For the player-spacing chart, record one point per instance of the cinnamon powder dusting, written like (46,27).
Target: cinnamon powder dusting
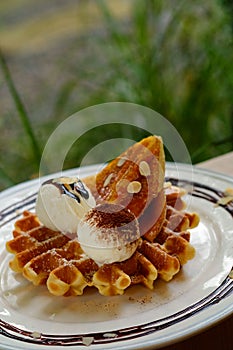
(114,218)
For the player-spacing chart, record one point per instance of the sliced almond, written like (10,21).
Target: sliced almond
(121,161)
(225,200)
(107,180)
(144,168)
(167,184)
(36,335)
(134,187)
(87,340)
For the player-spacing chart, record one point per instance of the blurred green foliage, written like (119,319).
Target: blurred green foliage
(176,57)
(172,56)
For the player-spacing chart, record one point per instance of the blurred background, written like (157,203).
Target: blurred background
(60,56)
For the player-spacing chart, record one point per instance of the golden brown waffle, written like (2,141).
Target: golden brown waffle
(47,257)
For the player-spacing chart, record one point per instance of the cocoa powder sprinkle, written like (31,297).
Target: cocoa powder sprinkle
(113,220)
(110,216)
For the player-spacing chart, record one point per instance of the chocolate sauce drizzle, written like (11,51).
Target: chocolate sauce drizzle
(15,210)
(202,191)
(223,291)
(77,188)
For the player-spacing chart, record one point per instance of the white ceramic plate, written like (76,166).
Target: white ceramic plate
(198,297)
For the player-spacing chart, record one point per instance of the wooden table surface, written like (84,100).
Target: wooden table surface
(219,337)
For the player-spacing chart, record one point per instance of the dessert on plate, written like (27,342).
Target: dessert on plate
(120,227)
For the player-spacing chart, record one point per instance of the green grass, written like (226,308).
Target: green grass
(21,110)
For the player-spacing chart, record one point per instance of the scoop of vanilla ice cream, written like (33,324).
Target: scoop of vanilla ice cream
(61,203)
(109,233)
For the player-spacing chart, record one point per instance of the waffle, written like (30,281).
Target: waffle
(134,180)
(47,257)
